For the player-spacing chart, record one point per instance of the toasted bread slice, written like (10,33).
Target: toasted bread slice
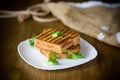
(74,49)
(58,44)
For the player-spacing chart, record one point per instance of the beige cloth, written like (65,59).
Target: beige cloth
(89,20)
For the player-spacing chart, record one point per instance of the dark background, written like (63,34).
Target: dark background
(16,4)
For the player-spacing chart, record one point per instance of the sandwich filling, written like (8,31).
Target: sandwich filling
(57,43)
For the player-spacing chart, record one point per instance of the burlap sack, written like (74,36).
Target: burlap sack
(90,20)
(99,22)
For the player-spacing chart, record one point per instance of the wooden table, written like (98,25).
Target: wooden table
(106,66)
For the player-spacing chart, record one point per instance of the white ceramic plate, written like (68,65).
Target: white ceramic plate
(33,56)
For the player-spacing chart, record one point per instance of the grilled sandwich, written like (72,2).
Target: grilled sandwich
(60,44)
(74,49)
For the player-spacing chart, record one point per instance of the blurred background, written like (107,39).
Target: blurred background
(16,4)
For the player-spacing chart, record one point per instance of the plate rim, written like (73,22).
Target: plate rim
(45,68)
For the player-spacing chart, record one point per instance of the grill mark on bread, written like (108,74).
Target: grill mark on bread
(64,37)
(58,38)
(48,33)
(52,38)
(74,35)
(67,35)
(57,44)
(44,32)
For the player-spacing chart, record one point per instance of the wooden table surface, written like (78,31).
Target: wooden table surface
(106,66)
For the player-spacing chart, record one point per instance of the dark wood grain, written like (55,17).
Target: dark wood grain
(106,66)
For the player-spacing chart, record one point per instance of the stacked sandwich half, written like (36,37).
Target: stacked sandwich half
(59,41)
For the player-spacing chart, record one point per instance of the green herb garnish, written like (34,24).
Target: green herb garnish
(72,55)
(56,34)
(31,41)
(52,58)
